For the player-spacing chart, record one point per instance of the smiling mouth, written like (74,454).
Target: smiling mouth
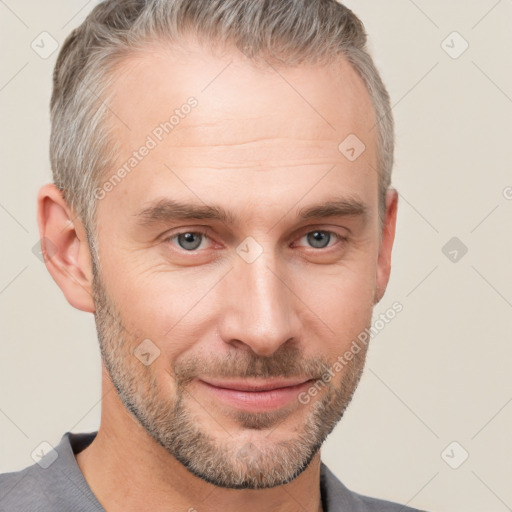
(256,394)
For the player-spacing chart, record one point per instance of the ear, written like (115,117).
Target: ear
(386,244)
(65,248)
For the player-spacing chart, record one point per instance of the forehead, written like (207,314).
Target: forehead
(251,124)
(325,100)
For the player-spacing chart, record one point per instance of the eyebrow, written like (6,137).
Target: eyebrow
(170,209)
(166,210)
(337,207)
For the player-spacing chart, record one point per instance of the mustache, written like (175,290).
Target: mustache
(287,362)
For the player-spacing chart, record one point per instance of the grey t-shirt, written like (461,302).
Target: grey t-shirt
(56,484)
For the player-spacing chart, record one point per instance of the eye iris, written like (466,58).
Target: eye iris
(319,239)
(189,241)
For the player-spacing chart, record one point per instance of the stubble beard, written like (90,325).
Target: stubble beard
(222,462)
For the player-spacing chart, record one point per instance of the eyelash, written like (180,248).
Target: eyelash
(198,231)
(195,232)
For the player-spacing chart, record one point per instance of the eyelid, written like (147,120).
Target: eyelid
(196,230)
(340,238)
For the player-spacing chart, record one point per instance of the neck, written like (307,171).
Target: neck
(128,470)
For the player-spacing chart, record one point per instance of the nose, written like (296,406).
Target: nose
(261,311)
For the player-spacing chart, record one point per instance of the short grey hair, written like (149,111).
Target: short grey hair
(285,32)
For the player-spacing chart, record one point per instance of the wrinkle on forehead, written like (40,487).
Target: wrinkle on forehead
(256,135)
(243,104)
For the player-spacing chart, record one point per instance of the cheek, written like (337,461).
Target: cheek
(339,302)
(169,308)
(176,308)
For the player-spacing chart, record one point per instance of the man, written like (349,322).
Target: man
(222,204)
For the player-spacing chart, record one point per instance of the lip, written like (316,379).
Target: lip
(256,394)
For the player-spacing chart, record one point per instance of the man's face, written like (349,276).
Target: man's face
(264,293)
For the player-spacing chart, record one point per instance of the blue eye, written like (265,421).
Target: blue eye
(194,240)
(319,239)
(189,240)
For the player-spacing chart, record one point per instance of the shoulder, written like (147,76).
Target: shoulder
(370,504)
(337,497)
(53,484)
(23,490)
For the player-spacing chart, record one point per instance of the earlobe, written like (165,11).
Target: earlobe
(386,244)
(65,248)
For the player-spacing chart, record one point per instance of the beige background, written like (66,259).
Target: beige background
(438,373)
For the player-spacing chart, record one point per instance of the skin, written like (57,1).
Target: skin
(255,147)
